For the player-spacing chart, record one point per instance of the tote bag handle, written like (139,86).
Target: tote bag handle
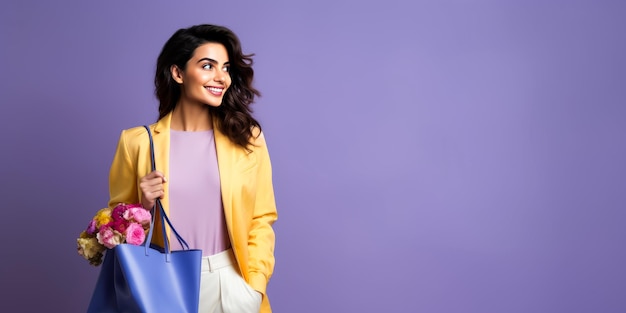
(164,217)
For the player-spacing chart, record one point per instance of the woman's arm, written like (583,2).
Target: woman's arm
(122,176)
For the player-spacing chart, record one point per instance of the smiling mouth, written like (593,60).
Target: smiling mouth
(215,90)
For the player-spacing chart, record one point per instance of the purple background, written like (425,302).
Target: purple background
(429,156)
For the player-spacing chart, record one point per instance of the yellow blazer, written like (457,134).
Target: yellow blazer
(246,186)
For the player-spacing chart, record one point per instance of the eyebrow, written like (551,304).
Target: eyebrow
(212,61)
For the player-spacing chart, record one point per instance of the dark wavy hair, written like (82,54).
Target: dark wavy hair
(234,114)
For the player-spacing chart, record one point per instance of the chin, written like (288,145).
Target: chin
(213,104)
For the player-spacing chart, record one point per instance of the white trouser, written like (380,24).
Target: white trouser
(223,289)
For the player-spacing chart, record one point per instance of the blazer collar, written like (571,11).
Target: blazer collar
(163,124)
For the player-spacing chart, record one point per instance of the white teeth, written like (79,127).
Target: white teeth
(214,89)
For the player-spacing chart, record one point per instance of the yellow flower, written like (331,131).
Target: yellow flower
(103,217)
(89,247)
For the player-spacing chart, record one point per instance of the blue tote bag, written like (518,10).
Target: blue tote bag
(146,279)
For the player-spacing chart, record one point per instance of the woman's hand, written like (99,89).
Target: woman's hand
(151,187)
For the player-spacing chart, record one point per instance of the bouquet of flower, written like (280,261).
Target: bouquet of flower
(125,223)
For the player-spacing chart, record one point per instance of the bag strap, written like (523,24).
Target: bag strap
(164,217)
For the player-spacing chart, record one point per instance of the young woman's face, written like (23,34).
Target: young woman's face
(206,76)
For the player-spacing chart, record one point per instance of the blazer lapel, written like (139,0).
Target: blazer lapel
(226,156)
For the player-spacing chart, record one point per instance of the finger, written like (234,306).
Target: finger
(153,192)
(153,182)
(152,195)
(158,194)
(159,174)
(153,175)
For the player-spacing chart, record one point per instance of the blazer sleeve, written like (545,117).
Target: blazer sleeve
(122,176)
(261,238)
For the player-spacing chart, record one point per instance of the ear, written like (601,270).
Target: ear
(177,74)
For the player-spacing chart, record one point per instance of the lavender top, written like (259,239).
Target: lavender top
(196,208)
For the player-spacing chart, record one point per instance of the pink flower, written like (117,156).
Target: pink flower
(140,215)
(135,234)
(109,237)
(119,225)
(127,215)
(118,212)
(134,205)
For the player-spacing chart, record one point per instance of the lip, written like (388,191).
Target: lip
(216,91)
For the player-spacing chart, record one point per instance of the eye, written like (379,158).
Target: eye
(207,66)
(226,69)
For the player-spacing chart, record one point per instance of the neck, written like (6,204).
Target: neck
(191,118)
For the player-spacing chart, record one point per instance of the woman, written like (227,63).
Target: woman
(213,169)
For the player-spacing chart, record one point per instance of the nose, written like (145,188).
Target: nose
(220,77)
